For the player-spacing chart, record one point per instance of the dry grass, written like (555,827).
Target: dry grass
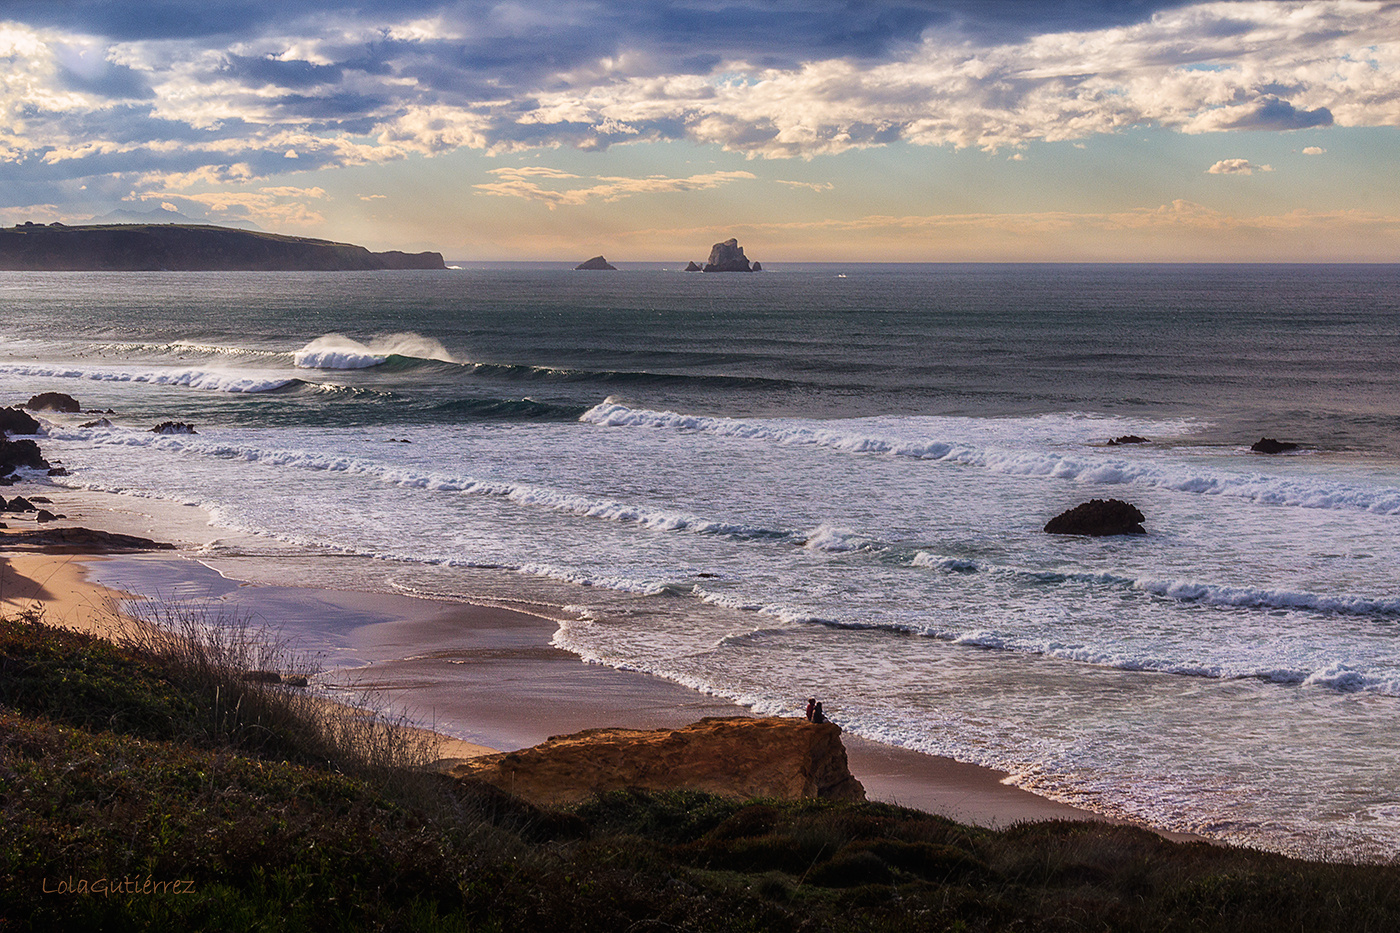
(260,696)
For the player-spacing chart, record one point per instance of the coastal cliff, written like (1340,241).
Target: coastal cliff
(733,757)
(187,248)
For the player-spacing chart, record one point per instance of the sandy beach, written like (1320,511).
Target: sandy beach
(482,677)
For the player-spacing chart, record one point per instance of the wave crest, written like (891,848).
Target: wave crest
(337,351)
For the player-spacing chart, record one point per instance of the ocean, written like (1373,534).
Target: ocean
(831,481)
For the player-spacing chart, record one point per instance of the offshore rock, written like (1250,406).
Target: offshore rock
(53,401)
(692,267)
(733,757)
(1097,518)
(173,427)
(727,257)
(1128,439)
(596,263)
(1268,445)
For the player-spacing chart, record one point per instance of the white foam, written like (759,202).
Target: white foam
(1052,446)
(207,379)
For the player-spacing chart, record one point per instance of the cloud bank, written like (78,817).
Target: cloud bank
(126,99)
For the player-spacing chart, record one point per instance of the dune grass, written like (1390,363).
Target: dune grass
(197,797)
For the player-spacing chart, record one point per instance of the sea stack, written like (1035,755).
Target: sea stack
(597,263)
(727,257)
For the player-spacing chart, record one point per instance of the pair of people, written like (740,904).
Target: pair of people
(814,711)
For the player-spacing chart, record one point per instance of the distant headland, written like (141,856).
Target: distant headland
(186,248)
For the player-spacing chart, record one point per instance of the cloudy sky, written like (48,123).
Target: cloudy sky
(912,130)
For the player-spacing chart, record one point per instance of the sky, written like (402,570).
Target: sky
(647,130)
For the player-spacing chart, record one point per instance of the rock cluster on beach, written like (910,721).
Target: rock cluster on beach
(1098,518)
(734,757)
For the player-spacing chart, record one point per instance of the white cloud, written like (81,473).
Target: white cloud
(517,183)
(813,186)
(1313,150)
(1237,167)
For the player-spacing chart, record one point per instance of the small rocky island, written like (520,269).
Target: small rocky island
(726,257)
(187,248)
(597,263)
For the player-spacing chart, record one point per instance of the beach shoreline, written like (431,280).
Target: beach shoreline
(483,677)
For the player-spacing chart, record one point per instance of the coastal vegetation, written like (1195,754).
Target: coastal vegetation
(155,784)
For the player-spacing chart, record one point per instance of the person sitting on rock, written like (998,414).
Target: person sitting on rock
(811,707)
(817,714)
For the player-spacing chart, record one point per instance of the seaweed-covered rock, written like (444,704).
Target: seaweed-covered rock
(53,401)
(1098,518)
(1268,445)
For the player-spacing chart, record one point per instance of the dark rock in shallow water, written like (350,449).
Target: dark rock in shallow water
(173,427)
(53,401)
(1098,517)
(20,504)
(1267,445)
(1127,439)
(21,453)
(758,267)
(17,421)
(727,257)
(692,267)
(597,263)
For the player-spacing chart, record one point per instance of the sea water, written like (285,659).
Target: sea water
(830,481)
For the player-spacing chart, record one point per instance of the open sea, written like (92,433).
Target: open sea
(829,481)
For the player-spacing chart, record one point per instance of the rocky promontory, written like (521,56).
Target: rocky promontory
(733,757)
(187,248)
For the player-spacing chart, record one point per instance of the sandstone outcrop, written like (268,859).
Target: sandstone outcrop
(728,257)
(1097,518)
(734,757)
(1269,445)
(597,263)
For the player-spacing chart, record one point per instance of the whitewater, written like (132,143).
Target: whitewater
(830,481)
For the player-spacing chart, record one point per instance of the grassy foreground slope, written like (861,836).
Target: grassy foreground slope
(197,798)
